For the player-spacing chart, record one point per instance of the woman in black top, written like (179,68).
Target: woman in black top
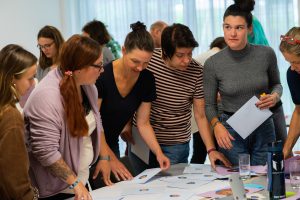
(125,88)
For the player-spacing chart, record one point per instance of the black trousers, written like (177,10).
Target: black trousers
(199,149)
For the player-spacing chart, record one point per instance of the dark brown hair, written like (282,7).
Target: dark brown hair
(241,8)
(53,34)
(177,35)
(77,53)
(139,38)
(97,31)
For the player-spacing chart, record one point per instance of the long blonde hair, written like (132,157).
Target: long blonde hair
(14,62)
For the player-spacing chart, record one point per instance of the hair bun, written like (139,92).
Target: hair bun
(138,26)
(246,5)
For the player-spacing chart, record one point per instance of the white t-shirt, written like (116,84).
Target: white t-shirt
(86,153)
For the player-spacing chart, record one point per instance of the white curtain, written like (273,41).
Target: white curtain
(204,17)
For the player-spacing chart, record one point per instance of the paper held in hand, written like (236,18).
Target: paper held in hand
(248,118)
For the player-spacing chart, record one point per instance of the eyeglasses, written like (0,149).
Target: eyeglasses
(45,46)
(99,66)
(289,40)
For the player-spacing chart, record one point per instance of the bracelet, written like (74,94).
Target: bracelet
(35,193)
(210,150)
(72,186)
(104,158)
(215,124)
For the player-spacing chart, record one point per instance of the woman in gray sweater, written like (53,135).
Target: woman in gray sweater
(239,72)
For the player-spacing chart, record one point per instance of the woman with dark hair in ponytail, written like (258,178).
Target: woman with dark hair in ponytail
(63,124)
(239,72)
(127,87)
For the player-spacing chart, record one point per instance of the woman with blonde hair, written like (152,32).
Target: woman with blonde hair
(290,49)
(17,70)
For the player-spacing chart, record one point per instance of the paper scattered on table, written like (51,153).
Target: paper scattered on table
(197,169)
(255,170)
(146,175)
(187,184)
(248,118)
(226,191)
(142,190)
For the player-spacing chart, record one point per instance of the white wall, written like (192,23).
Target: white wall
(20,21)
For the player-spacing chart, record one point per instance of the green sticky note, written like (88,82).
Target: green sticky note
(289,194)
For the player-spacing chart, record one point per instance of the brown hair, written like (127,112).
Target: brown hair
(97,31)
(139,38)
(14,62)
(77,53)
(52,33)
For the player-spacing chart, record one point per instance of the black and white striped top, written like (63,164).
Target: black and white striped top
(175,89)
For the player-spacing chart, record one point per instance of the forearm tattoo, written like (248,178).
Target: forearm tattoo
(61,170)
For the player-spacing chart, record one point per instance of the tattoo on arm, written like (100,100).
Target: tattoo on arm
(61,170)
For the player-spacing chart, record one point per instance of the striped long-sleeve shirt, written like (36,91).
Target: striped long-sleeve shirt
(175,89)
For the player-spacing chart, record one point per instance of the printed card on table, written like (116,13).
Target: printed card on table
(197,169)
(249,189)
(255,170)
(145,175)
(143,190)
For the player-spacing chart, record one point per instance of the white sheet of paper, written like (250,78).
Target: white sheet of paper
(140,148)
(176,194)
(187,184)
(146,175)
(248,118)
(197,169)
(201,177)
(143,190)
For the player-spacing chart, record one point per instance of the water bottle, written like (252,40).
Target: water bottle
(276,182)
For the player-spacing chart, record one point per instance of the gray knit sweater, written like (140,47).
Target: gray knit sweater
(239,75)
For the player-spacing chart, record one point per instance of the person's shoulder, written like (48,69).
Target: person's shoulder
(156,54)
(262,48)
(107,73)
(108,67)
(11,115)
(147,74)
(293,75)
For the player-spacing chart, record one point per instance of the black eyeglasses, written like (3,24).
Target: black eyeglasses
(46,46)
(99,66)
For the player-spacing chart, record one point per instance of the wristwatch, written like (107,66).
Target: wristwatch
(104,158)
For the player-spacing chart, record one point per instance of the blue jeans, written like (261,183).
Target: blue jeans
(256,144)
(178,153)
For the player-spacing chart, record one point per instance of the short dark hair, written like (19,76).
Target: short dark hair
(218,42)
(139,38)
(177,35)
(241,8)
(97,31)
